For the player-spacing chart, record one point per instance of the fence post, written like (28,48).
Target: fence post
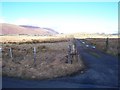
(73,49)
(107,44)
(10,52)
(77,53)
(34,52)
(69,55)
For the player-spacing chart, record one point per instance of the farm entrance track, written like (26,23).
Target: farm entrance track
(101,71)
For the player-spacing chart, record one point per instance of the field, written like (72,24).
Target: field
(32,39)
(99,41)
(45,57)
(49,60)
(111,46)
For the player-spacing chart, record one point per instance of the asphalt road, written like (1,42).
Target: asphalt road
(101,72)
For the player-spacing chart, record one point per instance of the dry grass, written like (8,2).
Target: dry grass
(86,35)
(100,44)
(33,39)
(50,61)
(99,40)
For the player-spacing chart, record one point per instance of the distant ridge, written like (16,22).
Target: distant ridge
(49,29)
(8,29)
(35,27)
(28,26)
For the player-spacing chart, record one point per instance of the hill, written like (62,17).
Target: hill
(11,29)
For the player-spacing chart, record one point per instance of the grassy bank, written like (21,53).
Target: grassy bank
(50,60)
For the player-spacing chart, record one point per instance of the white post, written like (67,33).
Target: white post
(73,49)
(10,50)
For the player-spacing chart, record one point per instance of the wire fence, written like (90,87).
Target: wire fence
(35,53)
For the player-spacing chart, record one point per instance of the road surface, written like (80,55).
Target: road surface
(101,72)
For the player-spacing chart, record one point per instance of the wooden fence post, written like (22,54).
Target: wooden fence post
(10,52)
(107,43)
(0,52)
(77,53)
(34,52)
(69,55)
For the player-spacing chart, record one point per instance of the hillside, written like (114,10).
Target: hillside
(8,29)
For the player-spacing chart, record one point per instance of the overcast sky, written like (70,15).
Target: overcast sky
(64,17)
